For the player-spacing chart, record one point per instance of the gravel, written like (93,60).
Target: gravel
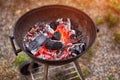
(106,60)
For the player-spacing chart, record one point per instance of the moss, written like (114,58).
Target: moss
(110,77)
(99,21)
(20,59)
(85,72)
(112,20)
(117,38)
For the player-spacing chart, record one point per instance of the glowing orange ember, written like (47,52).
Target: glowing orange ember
(65,35)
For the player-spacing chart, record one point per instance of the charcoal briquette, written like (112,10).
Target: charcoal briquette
(56,36)
(54,45)
(54,24)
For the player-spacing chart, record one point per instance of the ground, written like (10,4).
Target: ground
(101,62)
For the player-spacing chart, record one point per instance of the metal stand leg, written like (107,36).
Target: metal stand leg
(46,72)
(30,66)
(79,69)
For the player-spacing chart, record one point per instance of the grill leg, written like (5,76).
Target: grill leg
(79,69)
(30,66)
(46,72)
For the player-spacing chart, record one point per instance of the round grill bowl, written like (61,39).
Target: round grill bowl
(79,19)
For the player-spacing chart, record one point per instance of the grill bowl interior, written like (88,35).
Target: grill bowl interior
(80,21)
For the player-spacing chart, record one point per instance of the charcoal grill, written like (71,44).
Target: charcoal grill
(80,21)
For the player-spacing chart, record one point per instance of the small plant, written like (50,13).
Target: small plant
(117,38)
(112,20)
(85,72)
(110,77)
(100,21)
(60,78)
(21,58)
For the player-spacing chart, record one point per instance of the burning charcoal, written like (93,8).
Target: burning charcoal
(37,43)
(56,36)
(49,57)
(56,40)
(53,45)
(73,32)
(63,56)
(68,24)
(41,56)
(38,29)
(73,54)
(64,48)
(77,48)
(38,24)
(54,24)
(73,36)
(30,34)
(49,29)
(33,30)
(60,20)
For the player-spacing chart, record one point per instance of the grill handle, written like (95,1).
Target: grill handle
(16,51)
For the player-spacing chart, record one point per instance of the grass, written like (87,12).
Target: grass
(85,72)
(117,38)
(20,59)
(110,77)
(100,20)
(112,20)
(60,76)
(13,10)
(1,55)
(89,55)
(7,72)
